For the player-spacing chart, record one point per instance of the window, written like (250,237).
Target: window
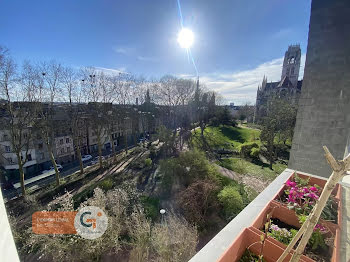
(7,149)
(29,157)
(292,71)
(62,150)
(68,149)
(42,156)
(40,146)
(5,137)
(9,160)
(61,141)
(67,140)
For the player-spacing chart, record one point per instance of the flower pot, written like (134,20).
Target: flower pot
(285,215)
(336,193)
(250,238)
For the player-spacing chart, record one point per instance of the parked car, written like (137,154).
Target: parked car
(59,167)
(86,158)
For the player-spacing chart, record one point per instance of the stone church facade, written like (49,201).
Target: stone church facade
(289,88)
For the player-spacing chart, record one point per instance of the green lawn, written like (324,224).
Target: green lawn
(227,137)
(242,166)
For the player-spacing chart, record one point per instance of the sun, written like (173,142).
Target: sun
(185,38)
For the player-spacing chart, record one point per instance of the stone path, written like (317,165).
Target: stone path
(249,180)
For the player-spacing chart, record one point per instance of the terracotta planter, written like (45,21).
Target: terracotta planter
(313,180)
(289,217)
(273,249)
(251,238)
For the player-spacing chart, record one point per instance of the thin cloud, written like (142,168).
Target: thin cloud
(147,59)
(123,50)
(240,87)
(111,70)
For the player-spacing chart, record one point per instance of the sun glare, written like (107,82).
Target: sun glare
(185,38)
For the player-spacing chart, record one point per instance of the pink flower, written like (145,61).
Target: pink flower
(320,227)
(313,189)
(274,227)
(305,190)
(291,183)
(313,196)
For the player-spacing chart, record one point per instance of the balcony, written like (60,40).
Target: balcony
(245,229)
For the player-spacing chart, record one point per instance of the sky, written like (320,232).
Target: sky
(236,42)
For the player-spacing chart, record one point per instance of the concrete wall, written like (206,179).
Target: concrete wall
(8,249)
(324,107)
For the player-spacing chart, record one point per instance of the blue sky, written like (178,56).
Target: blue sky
(236,42)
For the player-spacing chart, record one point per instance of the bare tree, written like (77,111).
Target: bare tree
(50,75)
(73,94)
(19,113)
(100,97)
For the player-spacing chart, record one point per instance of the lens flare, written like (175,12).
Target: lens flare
(185,38)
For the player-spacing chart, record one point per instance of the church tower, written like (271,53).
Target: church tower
(291,64)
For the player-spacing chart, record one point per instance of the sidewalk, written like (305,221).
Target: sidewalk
(34,179)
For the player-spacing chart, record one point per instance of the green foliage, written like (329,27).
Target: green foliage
(224,117)
(148,162)
(279,120)
(316,240)
(106,184)
(250,257)
(166,136)
(151,207)
(153,152)
(301,182)
(231,201)
(167,167)
(221,180)
(245,167)
(227,137)
(255,152)
(246,149)
(302,218)
(330,211)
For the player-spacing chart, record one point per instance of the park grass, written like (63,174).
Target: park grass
(227,137)
(242,166)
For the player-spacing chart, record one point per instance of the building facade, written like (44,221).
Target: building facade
(288,88)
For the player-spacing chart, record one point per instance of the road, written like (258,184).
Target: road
(66,171)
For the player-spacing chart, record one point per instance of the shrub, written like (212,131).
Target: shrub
(198,201)
(153,152)
(167,170)
(148,162)
(255,152)
(175,240)
(221,180)
(231,201)
(151,207)
(106,184)
(246,149)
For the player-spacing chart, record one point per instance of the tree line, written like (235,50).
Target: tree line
(33,94)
